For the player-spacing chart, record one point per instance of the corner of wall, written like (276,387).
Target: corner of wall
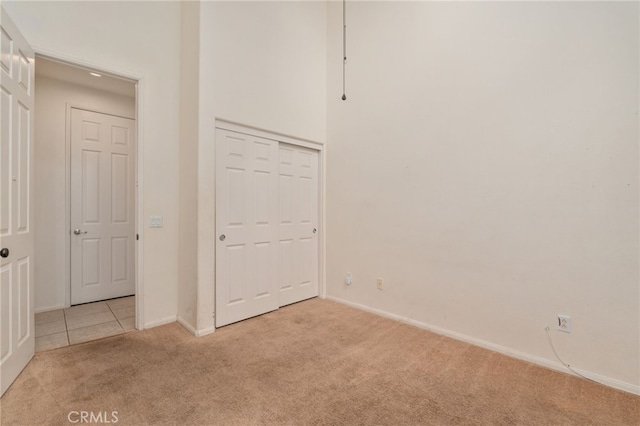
(188,153)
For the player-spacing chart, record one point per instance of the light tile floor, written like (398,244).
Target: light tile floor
(82,323)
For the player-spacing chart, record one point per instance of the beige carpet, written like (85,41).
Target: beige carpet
(313,363)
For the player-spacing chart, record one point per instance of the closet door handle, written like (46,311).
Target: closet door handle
(222,237)
(315,230)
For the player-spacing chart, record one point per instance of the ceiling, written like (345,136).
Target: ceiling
(78,75)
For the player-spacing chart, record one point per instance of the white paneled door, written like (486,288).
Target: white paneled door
(298,224)
(17,341)
(102,206)
(266,223)
(247,226)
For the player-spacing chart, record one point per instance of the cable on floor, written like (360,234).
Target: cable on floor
(564,363)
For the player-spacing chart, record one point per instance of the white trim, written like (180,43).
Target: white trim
(161,321)
(268,134)
(78,62)
(205,331)
(138,80)
(67,205)
(48,309)
(322,250)
(186,325)
(139,252)
(73,105)
(608,381)
(192,330)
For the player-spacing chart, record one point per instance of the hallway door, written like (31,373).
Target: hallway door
(102,206)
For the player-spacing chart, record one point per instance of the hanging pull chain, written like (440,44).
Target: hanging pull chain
(344,49)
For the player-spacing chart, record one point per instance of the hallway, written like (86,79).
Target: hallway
(83,323)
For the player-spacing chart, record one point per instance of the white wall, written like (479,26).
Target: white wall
(141,39)
(267,64)
(50,159)
(189,115)
(485,165)
(260,64)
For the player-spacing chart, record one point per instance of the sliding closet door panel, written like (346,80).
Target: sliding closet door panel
(298,223)
(246,226)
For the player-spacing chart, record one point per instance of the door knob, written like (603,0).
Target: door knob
(222,237)
(315,230)
(78,232)
(4,252)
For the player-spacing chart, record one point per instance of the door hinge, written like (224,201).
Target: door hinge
(137,237)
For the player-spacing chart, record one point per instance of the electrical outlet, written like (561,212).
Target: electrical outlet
(379,283)
(349,279)
(564,323)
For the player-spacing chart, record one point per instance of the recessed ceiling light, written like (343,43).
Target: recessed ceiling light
(95,74)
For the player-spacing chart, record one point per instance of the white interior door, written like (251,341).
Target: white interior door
(102,206)
(298,224)
(267,247)
(246,224)
(17,342)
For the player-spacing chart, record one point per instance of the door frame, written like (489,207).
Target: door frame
(138,173)
(291,140)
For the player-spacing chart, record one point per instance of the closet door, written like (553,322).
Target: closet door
(298,224)
(246,226)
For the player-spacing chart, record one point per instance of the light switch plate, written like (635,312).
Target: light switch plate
(155,221)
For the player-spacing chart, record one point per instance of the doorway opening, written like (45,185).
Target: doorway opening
(86,197)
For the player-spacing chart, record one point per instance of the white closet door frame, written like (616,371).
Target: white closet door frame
(291,140)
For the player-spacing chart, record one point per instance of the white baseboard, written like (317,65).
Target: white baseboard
(161,321)
(607,381)
(49,308)
(187,326)
(205,331)
(193,330)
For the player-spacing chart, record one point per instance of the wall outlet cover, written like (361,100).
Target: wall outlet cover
(564,323)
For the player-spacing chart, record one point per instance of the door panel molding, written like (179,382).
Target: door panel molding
(287,249)
(93,216)
(246,226)
(139,245)
(17,325)
(298,223)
